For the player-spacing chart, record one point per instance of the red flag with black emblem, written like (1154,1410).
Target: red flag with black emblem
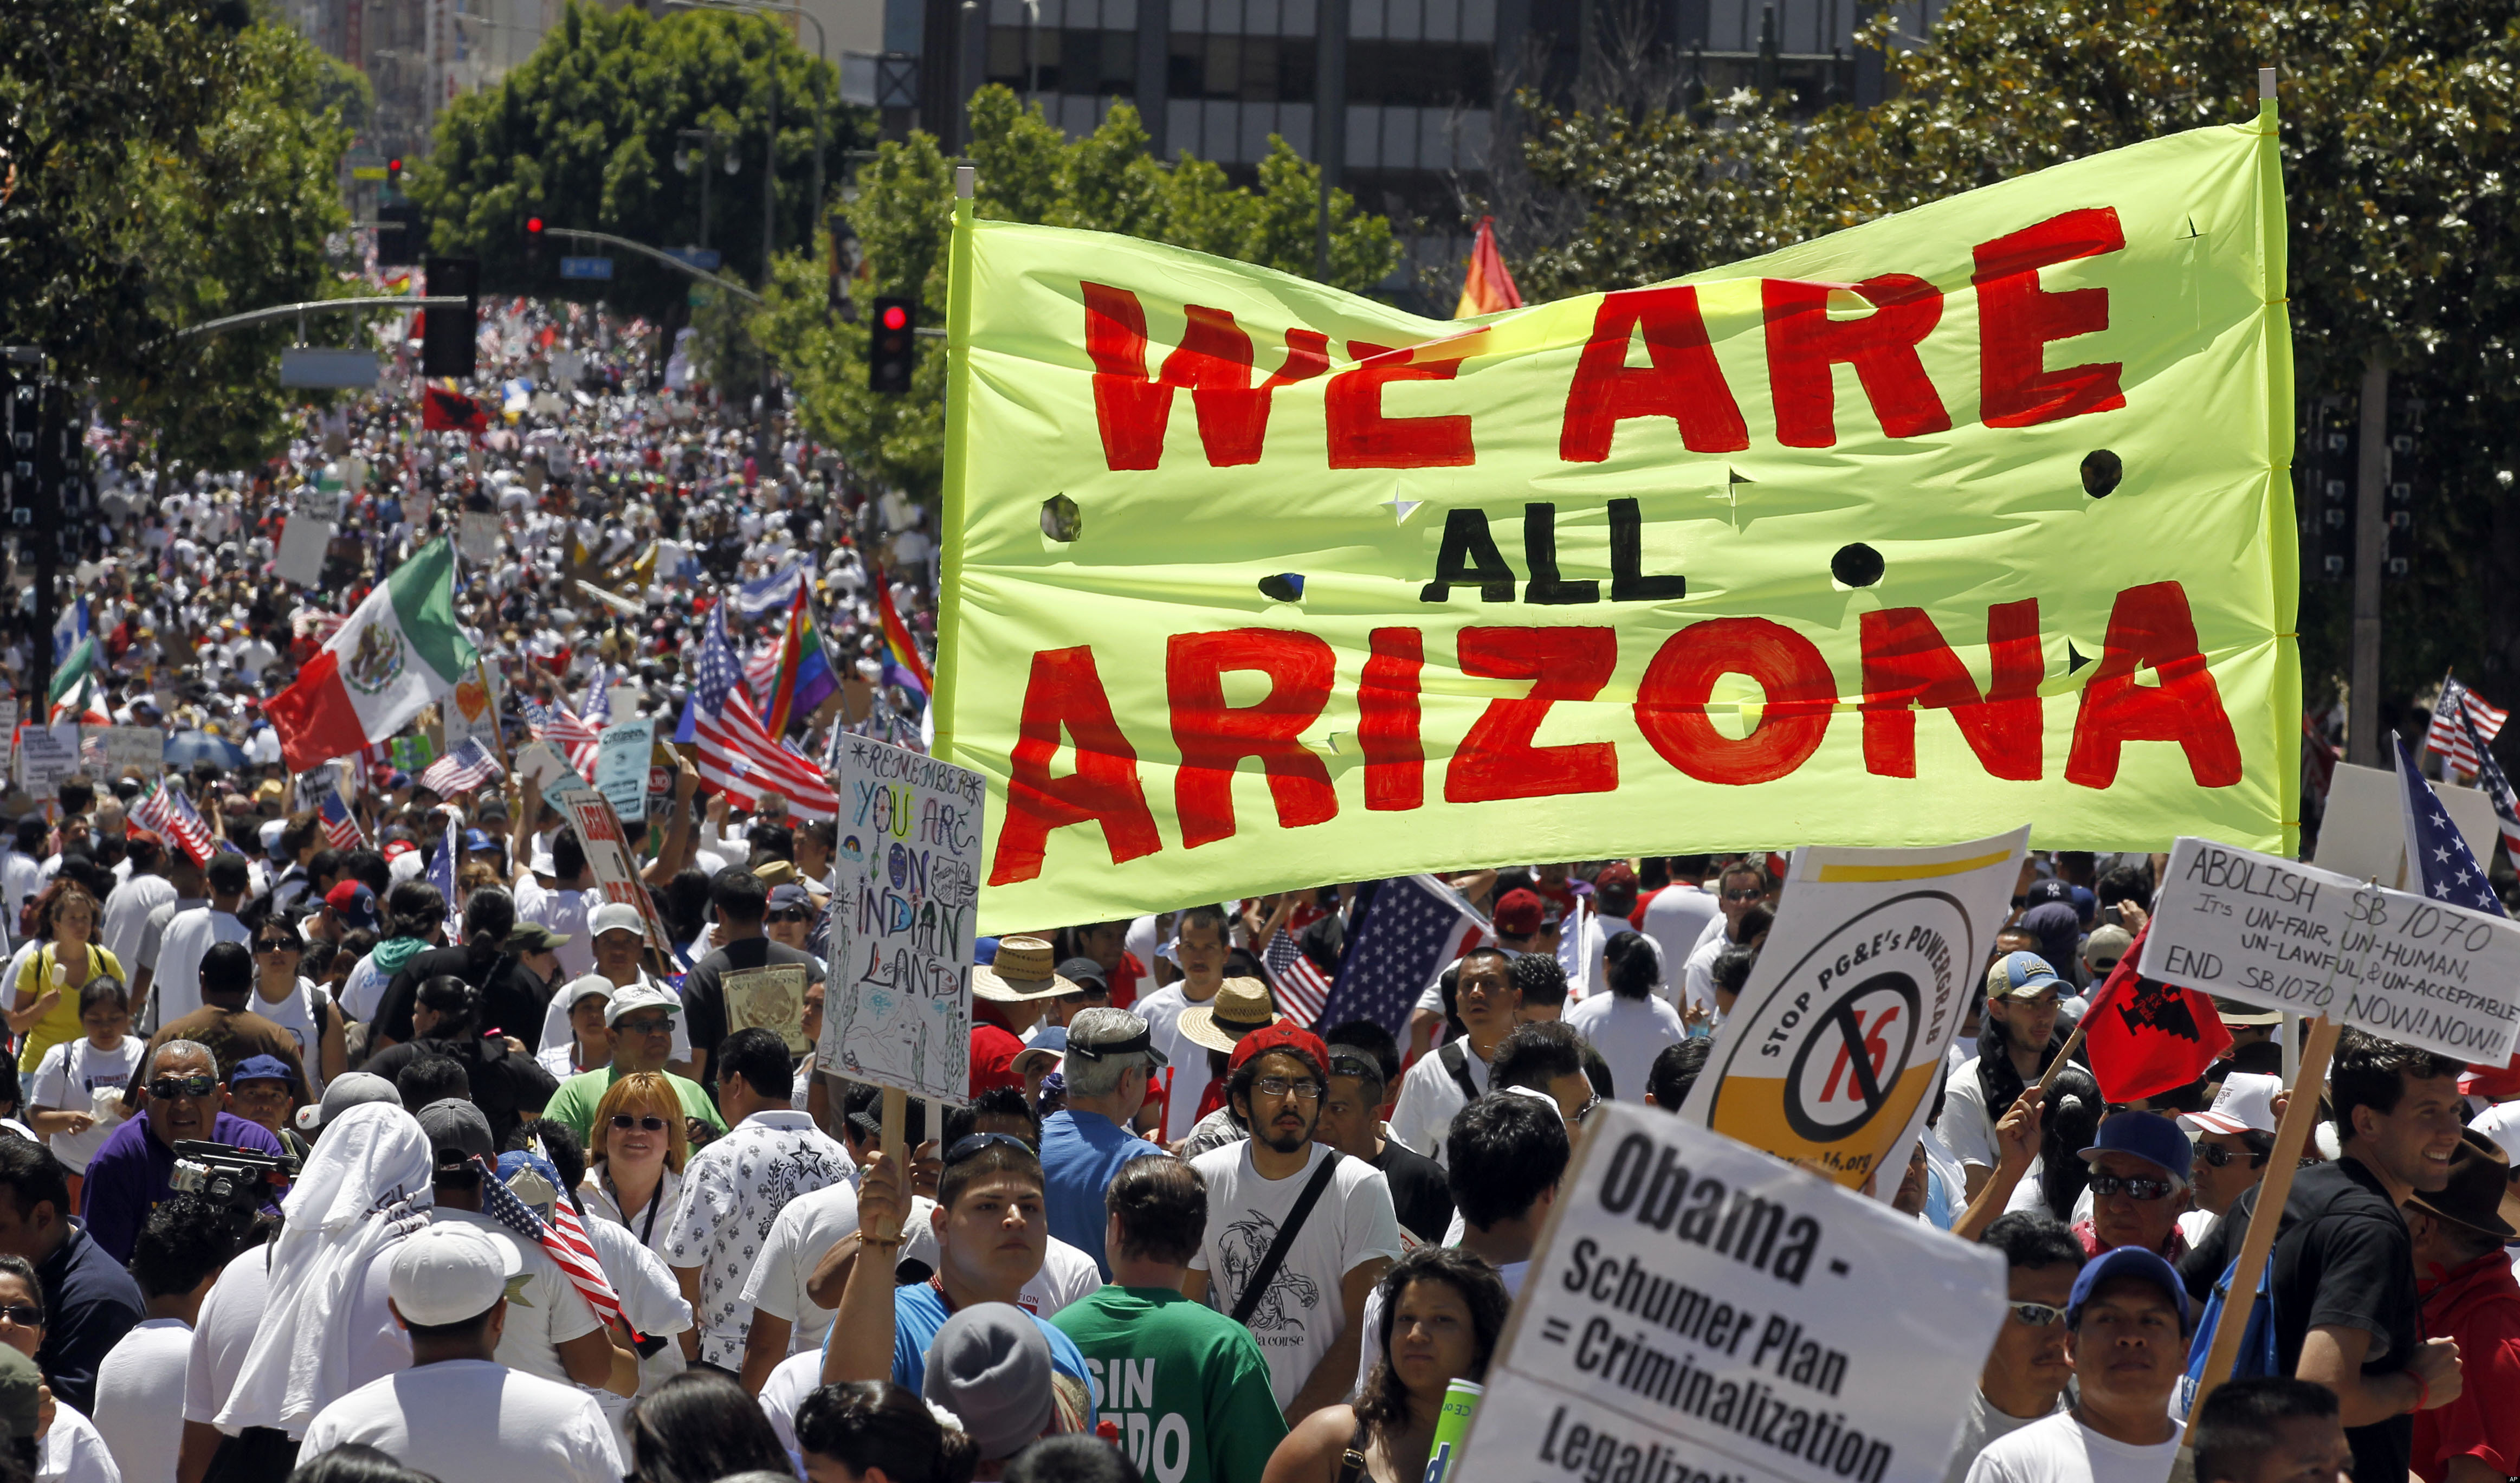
(443,410)
(2144,1037)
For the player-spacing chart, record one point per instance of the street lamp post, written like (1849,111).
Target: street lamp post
(700,160)
(822,104)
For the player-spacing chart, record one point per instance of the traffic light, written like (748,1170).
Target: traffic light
(394,173)
(448,337)
(399,242)
(891,349)
(534,249)
(2329,465)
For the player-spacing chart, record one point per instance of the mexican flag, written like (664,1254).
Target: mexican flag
(396,653)
(77,696)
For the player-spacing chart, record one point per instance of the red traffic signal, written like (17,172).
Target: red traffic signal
(393,172)
(895,317)
(535,225)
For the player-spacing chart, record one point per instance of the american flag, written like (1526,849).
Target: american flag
(562,1238)
(761,675)
(2439,864)
(1302,987)
(2459,743)
(554,723)
(169,815)
(341,831)
(596,711)
(2497,787)
(1415,925)
(737,754)
(462,771)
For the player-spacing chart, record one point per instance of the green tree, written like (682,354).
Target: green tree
(162,163)
(587,132)
(1026,172)
(2398,138)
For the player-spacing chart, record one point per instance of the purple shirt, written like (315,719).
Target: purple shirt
(133,1171)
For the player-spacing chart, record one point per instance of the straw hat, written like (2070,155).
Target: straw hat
(1241,1006)
(1022,971)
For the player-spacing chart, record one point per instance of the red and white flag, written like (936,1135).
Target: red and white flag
(2448,739)
(737,756)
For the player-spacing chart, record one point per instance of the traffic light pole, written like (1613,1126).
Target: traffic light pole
(668,258)
(2370,543)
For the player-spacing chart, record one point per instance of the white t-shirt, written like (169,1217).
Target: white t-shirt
(177,985)
(563,912)
(1304,1310)
(797,1376)
(1984,1427)
(805,1229)
(1187,1058)
(1676,918)
(474,1421)
(71,1451)
(545,1312)
(140,1399)
(1966,1125)
(296,1013)
(67,1080)
(1629,1033)
(233,1311)
(126,916)
(2060,1449)
(1430,1096)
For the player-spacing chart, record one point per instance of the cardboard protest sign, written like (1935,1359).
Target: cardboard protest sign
(1286,575)
(541,764)
(1832,1051)
(2293,937)
(140,750)
(47,758)
(477,534)
(771,998)
(8,734)
(607,850)
(471,710)
(2363,832)
(304,536)
(897,1005)
(1698,1310)
(621,766)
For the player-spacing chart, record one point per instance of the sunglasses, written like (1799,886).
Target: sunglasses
(2105,1185)
(964,1148)
(2219,1156)
(275,945)
(623,1122)
(198,1084)
(2037,1314)
(24,1315)
(1751,894)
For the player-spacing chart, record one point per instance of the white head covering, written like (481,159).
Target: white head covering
(365,1186)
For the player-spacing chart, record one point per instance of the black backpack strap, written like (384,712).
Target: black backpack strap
(1267,1271)
(1352,1467)
(1458,1061)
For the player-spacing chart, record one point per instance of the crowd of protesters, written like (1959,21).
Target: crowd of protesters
(492,1190)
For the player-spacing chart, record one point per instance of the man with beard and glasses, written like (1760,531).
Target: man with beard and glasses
(1307,1311)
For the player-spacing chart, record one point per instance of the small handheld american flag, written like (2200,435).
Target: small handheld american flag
(464,770)
(2439,866)
(562,1238)
(1302,987)
(2461,742)
(341,831)
(171,816)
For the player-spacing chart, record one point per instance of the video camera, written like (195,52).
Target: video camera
(239,1181)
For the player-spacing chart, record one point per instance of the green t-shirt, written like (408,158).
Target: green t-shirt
(575,1101)
(1187,1385)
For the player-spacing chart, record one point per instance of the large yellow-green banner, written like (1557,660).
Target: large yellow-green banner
(1967,517)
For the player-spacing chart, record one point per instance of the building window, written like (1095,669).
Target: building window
(1427,74)
(1241,68)
(1099,63)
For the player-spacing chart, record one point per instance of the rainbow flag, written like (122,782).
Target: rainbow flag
(805,678)
(902,664)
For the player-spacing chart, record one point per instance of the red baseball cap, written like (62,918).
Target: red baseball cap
(1518,914)
(1284,1035)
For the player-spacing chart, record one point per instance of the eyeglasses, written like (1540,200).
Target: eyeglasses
(2037,1314)
(2219,1156)
(964,1148)
(623,1122)
(1585,1110)
(662,1025)
(24,1315)
(2105,1185)
(1279,1086)
(198,1084)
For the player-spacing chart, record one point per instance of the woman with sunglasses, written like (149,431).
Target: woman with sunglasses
(636,1157)
(69,1448)
(45,1008)
(284,996)
(1443,1310)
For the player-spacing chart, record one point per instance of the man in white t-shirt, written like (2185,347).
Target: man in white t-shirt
(2023,995)
(1488,1005)
(563,905)
(1629,1024)
(2025,1375)
(549,1331)
(1742,885)
(1201,950)
(2126,1325)
(140,1384)
(457,1411)
(1308,1313)
(178,981)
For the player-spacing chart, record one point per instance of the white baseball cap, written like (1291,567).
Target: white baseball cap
(616,916)
(643,994)
(2245,1104)
(2502,1123)
(578,988)
(448,1274)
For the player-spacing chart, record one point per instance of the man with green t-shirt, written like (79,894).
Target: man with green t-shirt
(639,1019)
(1187,1385)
